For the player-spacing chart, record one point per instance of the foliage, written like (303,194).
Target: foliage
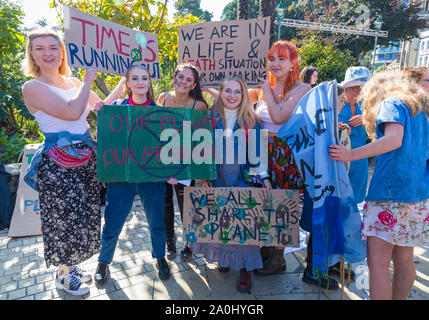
(193,7)
(13,146)
(230,10)
(400,20)
(331,62)
(14,116)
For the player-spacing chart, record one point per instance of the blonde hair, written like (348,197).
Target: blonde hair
(30,66)
(127,91)
(246,115)
(387,85)
(416,74)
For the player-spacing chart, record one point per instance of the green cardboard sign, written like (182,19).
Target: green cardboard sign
(130,145)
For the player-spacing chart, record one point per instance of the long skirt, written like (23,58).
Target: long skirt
(69,211)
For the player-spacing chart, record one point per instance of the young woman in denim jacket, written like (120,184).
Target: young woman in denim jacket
(233,112)
(120,196)
(396,219)
(63,168)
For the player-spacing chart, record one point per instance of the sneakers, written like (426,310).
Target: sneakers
(71,284)
(101,273)
(163,269)
(171,249)
(83,275)
(186,254)
(322,282)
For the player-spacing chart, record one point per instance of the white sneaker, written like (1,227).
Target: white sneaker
(83,275)
(71,284)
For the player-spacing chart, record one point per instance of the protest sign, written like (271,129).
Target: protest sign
(107,46)
(151,143)
(227,48)
(26,214)
(243,216)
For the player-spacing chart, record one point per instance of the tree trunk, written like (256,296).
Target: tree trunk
(267,8)
(243,9)
(102,85)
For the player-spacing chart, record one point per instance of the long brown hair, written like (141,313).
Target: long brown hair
(195,93)
(247,117)
(127,91)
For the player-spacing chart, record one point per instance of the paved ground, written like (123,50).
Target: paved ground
(23,274)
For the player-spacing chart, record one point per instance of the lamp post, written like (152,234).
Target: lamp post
(378,23)
(280,12)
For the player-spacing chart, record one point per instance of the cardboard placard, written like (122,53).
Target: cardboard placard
(227,48)
(107,46)
(26,214)
(243,216)
(130,144)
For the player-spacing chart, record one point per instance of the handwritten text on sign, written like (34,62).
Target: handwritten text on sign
(247,216)
(227,48)
(106,46)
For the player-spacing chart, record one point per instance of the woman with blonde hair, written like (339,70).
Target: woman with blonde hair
(63,168)
(396,219)
(419,75)
(233,113)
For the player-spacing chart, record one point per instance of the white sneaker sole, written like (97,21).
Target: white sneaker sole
(85,278)
(79,292)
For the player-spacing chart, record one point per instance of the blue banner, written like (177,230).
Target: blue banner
(337,224)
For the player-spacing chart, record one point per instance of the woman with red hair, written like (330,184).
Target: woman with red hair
(275,101)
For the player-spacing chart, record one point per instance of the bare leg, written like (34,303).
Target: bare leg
(379,256)
(404,272)
(64,270)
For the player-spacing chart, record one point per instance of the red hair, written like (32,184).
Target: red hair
(287,50)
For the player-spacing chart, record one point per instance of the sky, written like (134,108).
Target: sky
(36,9)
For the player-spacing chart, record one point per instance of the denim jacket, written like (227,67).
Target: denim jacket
(244,168)
(64,140)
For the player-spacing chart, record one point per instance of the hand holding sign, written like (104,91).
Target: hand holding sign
(90,75)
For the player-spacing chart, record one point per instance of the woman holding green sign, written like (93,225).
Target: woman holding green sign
(63,169)
(187,93)
(120,196)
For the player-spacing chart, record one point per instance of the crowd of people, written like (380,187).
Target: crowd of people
(386,116)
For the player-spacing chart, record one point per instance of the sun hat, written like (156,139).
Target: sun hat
(356,76)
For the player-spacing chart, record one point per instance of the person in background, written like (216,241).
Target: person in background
(396,211)
(233,112)
(309,75)
(187,94)
(63,168)
(351,114)
(120,195)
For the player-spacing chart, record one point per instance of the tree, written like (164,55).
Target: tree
(193,7)
(243,9)
(267,9)
(230,10)
(331,62)
(400,20)
(11,55)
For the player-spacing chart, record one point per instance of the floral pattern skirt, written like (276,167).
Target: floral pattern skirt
(282,168)
(401,224)
(69,211)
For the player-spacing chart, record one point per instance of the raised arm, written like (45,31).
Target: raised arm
(40,97)
(280,115)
